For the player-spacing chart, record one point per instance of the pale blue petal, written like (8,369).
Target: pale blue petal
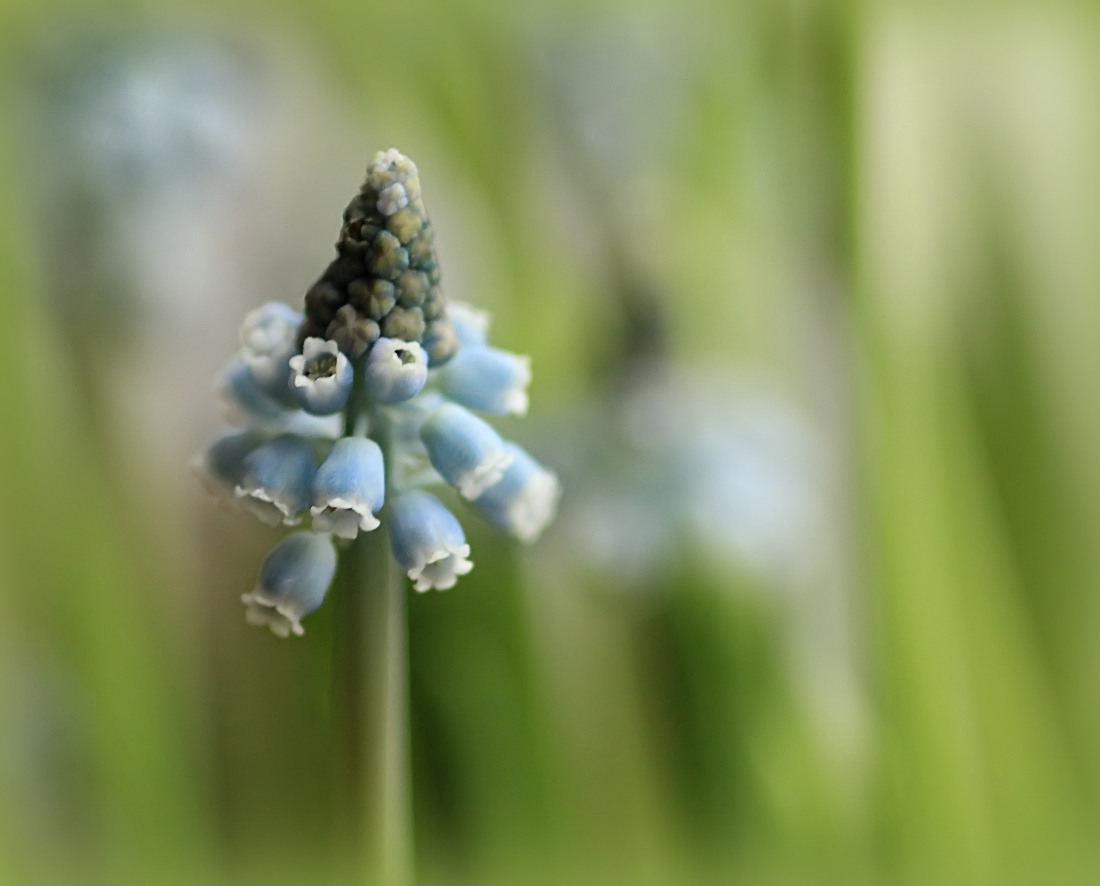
(488,379)
(396,370)
(220,466)
(294,578)
(427,541)
(246,401)
(471,325)
(525,499)
(277,479)
(349,488)
(268,339)
(322,377)
(464,449)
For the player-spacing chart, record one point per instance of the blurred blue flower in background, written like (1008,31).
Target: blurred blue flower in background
(740,470)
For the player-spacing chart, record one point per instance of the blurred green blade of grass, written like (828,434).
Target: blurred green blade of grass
(976,779)
(77,579)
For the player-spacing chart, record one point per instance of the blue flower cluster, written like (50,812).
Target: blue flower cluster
(352,428)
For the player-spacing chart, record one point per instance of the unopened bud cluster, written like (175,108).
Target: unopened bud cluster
(385,279)
(347,413)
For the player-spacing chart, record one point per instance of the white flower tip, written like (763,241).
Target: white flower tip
(266,509)
(307,365)
(516,399)
(485,475)
(516,402)
(471,324)
(533,511)
(389,156)
(261,613)
(343,519)
(441,573)
(425,583)
(315,346)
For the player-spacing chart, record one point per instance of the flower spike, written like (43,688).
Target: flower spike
(386,272)
(353,408)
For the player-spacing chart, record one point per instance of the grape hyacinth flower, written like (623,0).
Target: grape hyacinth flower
(350,410)
(267,338)
(294,579)
(466,451)
(322,377)
(428,541)
(220,467)
(525,499)
(471,326)
(244,400)
(489,380)
(276,479)
(349,488)
(396,370)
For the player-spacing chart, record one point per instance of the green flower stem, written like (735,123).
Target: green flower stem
(371,695)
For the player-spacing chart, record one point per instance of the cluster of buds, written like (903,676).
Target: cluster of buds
(385,280)
(348,413)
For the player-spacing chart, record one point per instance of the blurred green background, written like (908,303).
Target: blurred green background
(811,295)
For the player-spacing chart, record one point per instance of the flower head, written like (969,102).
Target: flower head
(294,579)
(351,409)
(428,541)
(386,274)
